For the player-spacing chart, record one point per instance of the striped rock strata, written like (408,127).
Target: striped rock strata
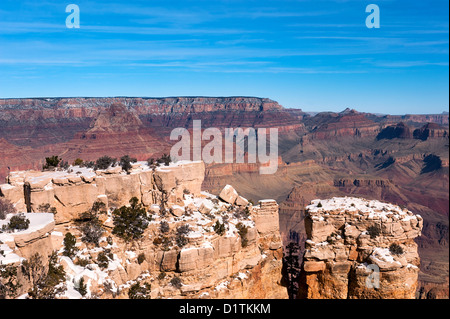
(359,248)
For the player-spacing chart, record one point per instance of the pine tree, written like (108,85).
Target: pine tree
(130,222)
(69,245)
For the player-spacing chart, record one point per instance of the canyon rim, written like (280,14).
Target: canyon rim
(224,158)
(379,159)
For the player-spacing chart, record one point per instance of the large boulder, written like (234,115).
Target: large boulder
(177,210)
(241,201)
(228,194)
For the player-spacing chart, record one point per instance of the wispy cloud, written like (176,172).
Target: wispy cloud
(29,27)
(199,14)
(7,27)
(276,44)
(408,64)
(378,63)
(20,61)
(305,70)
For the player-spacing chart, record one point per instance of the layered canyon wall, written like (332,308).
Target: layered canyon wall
(358,249)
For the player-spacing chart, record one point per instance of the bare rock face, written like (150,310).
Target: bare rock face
(358,248)
(266,217)
(400,130)
(430,131)
(347,123)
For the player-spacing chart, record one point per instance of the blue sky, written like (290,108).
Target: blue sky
(316,55)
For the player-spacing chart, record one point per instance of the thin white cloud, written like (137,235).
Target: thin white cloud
(163,30)
(205,14)
(31,27)
(7,27)
(37,61)
(408,64)
(396,63)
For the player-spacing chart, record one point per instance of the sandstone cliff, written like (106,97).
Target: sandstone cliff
(358,248)
(244,260)
(72,192)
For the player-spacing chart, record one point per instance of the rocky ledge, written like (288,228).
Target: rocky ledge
(73,191)
(358,248)
(196,245)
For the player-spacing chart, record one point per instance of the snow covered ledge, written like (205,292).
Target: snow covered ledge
(350,238)
(12,243)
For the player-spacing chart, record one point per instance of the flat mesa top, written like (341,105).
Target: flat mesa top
(355,205)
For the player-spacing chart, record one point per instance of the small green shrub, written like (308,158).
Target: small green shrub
(138,291)
(44,285)
(141,258)
(98,207)
(164,227)
(151,162)
(83,262)
(219,228)
(104,162)
(125,162)
(166,159)
(176,282)
(166,243)
(102,260)
(92,232)
(161,275)
(69,245)
(242,213)
(90,224)
(44,208)
(78,162)
(18,222)
(88,164)
(82,287)
(243,231)
(180,238)
(52,162)
(130,222)
(9,286)
(64,165)
(374,231)
(396,249)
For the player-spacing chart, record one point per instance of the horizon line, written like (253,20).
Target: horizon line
(216,97)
